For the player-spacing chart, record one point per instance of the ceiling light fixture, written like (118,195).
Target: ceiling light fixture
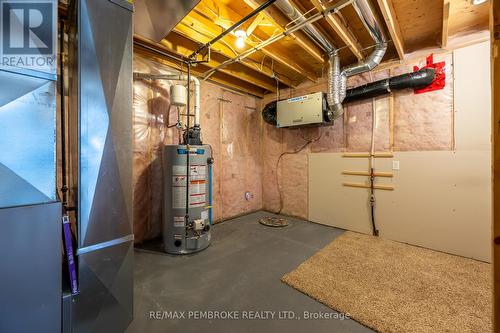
(478,2)
(240,38)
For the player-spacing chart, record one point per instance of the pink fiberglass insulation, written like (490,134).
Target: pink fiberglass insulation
(231,128)
(421,122)
(292,171)
(254,157)
(210,125)
(241,189)
(233,179)
(294,185)
(424,121)
(271,150)
(359,117)
(331,139)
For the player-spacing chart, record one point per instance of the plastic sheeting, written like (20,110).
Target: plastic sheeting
(230,124)
(421,122)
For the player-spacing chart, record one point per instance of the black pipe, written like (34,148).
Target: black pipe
(269,113)
(416,80)
(233,27)
(147,47)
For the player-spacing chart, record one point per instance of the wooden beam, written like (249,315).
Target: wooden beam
(344,33)
(182,45)
(219,78)
(274,16)
(197,32)
(495,62)
(255,23)
(446,16)
(197,21)
(387,8)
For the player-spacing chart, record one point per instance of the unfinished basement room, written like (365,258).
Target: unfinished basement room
(227,166)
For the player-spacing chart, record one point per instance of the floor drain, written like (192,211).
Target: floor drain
(276,222)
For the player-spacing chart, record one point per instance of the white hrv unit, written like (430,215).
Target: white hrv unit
(309,109)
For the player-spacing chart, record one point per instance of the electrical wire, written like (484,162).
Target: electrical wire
(372,167)
(308,142)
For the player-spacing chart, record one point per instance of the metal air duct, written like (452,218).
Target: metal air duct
(154,19)
(337,83)
(295,15)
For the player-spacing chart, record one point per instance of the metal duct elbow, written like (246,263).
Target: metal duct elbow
(337,83)
(366,13)
(295,15)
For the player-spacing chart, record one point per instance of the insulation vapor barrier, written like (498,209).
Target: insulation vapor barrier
(230,123)
(421,122)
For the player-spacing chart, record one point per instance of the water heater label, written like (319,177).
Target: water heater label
(197,186)
(179,221)
(196,171)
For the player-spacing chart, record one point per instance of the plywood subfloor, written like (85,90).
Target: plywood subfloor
(393,287)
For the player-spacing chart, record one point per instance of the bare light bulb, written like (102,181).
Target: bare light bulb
(240,43)
(240,38)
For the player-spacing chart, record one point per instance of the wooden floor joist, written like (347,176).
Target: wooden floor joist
(278,19)
(214,18)
(390,18)
(344,33)
(220,78)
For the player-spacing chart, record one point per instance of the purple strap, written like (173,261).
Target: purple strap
(68,242)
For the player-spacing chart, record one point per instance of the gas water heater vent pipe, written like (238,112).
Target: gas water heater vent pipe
(337,80)
(178,77)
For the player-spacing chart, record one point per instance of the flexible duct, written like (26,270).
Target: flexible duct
(295,15)
(179,77)
(333,95)
(416,80)
(337,84)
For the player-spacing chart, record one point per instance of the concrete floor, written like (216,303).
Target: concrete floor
(239,272)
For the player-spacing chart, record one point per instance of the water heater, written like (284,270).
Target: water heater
(187,209)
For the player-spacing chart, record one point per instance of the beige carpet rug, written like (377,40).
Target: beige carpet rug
(397,288)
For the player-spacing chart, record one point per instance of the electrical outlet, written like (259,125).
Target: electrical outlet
(248,195)
(395,165)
